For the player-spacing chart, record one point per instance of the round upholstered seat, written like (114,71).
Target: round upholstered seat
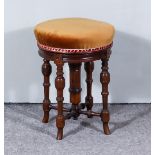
(74,35)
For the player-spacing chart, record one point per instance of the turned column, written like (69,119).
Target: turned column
(105,79)
(59,84)
(89,67)
(46,71)
(75,87)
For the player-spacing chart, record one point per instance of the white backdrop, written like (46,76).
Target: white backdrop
(129,62)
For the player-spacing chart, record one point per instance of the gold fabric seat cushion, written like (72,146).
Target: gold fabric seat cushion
(74,33)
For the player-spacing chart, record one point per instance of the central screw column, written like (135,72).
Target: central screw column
(75,87)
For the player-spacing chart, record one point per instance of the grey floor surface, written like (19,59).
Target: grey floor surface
(26,135)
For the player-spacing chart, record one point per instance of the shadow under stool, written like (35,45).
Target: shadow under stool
(74,41)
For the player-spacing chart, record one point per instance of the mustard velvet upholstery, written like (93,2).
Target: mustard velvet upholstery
(74,33)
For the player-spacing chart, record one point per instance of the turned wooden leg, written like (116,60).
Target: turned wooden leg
(75,87)
(60,84)
(105,79)
(89,67)
(46,71)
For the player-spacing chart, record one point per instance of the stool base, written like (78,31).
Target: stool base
(76,109)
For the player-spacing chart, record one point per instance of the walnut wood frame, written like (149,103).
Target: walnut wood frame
(74,61)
